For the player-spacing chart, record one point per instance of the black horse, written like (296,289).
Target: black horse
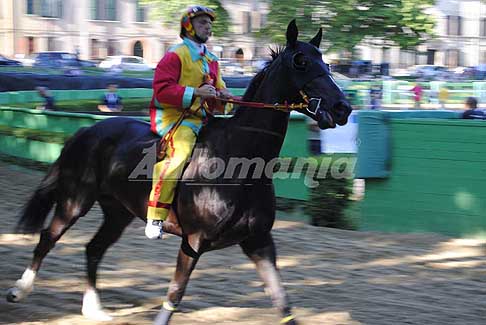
(96,163)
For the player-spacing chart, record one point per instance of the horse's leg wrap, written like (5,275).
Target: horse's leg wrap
(165,313)
(23,286)
(177,287)
(92,307)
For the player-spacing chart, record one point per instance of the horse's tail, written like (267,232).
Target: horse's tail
(40,204)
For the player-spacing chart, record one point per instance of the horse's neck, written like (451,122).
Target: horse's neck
(265,124)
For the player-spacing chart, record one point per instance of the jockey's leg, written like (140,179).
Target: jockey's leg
(165,176)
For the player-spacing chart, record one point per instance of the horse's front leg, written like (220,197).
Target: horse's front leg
(261,250)
(186,262)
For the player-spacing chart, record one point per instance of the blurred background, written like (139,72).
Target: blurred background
(363,39)
(399,60)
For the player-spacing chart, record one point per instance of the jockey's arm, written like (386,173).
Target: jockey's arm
(223,92)
(168,90)
(166,87)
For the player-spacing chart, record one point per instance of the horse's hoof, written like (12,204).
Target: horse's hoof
(97,315)
(13,295)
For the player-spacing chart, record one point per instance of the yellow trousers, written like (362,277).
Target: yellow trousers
(167,172)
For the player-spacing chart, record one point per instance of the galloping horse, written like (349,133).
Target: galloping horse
(96,162)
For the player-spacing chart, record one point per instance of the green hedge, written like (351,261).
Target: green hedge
(329,203)
(37,135)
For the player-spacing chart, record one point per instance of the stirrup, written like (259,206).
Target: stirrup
(153,229)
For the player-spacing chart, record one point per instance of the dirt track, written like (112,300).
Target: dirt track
(332,276)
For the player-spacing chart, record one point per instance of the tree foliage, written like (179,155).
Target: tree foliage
(170,11)
(347,22)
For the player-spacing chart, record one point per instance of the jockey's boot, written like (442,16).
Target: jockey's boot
(153,229)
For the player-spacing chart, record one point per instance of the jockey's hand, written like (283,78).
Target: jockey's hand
(205,91)
(224,93)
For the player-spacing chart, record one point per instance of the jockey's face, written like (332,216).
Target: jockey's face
(202,26)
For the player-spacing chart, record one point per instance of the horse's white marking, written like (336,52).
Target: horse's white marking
(23,286)
(210,201)
(92,307)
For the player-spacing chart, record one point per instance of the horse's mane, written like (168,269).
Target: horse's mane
(258,78)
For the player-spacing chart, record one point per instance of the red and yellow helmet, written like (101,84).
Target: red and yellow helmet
(191,12)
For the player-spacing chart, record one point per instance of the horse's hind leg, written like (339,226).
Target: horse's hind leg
(117,218)
(186,262)
(261,250)
(66,214)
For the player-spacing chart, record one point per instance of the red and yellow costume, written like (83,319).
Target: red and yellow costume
(183,69)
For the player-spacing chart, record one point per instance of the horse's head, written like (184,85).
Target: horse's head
(303,70)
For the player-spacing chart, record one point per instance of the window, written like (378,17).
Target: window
(103,10)
(51,8)
(138,49)
(431,57)
(30,45)
(482,27)
(45,8)
(111,10)
(112,48)
(454,25)
(95,48)
(131,60)
(141,13)
(246,22)
(30,7)
(51,44)
(453,58)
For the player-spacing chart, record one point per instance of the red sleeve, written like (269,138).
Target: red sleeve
(166,77)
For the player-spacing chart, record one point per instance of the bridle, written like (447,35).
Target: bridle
(285,106)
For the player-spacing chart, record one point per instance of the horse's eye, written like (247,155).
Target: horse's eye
(300,62)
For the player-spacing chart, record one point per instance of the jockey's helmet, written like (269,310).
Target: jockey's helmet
(191,12)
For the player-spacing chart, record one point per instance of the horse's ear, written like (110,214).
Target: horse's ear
(292,33)
(316,41)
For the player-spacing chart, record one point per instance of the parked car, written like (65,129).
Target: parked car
(25,60)
(6,61)
(229,67)
(59,60)
(430,72)
(466,73)
(125,62)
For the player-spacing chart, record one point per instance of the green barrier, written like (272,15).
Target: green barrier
(374,145)
(21,97)
(27,145)
(436,177)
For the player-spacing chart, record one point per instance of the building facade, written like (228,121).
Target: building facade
(96,29)
(460,38)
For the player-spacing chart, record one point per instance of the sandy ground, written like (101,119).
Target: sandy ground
(332,276)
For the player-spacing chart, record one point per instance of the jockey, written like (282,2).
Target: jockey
(186,76)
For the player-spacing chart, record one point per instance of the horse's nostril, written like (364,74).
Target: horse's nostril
(341,112)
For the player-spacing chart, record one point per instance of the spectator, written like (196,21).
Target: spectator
(417,94)
(48,99)
(443,96)
(111,102)
(375,97)
(472,111)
